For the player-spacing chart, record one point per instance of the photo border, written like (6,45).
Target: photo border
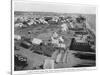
(43,70)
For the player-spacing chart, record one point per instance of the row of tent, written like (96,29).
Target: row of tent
(24,21)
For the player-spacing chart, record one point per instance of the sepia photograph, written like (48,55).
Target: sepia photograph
(53,35)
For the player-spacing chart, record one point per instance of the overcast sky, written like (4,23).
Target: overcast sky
(52,7)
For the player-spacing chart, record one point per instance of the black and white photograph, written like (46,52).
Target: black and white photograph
(53,36)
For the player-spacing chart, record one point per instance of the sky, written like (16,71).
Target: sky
(52,7)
